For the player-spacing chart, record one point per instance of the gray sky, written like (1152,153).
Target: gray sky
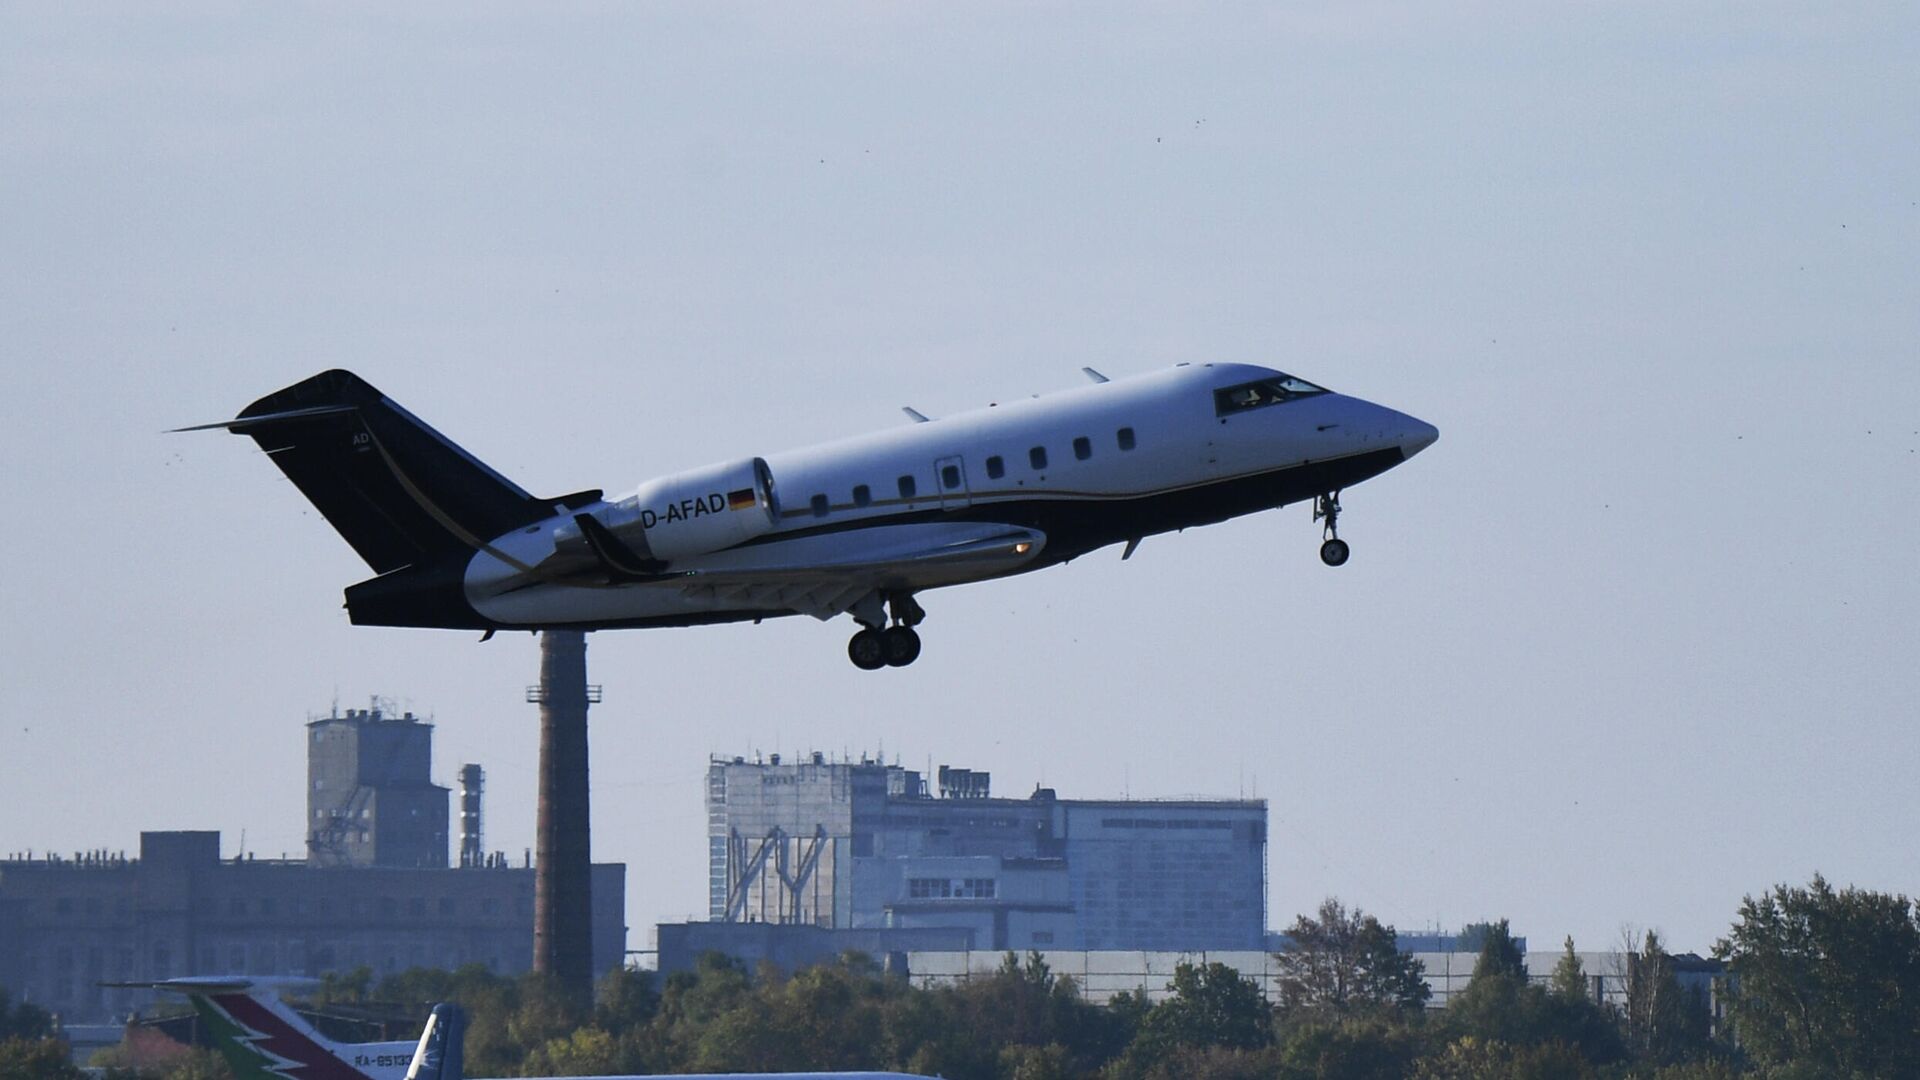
(1634,639)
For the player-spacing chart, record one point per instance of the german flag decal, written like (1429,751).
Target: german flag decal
(741,500)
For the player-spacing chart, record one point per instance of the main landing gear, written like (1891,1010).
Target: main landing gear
(878,645)
(1334,550)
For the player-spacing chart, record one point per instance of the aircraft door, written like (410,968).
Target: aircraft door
(950,476)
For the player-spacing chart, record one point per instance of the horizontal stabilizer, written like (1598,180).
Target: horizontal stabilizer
(247,423)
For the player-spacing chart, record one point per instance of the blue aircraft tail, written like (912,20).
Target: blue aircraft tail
(438,1056)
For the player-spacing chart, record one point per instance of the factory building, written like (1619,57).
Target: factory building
(861,845)
(375,889)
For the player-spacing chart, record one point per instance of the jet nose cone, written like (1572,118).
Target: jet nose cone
(1417,436)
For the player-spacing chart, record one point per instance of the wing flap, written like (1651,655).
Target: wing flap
(825,579)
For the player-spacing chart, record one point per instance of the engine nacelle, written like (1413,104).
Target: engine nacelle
(692,513)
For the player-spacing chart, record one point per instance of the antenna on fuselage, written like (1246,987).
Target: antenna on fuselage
(1094,375)
(915,415)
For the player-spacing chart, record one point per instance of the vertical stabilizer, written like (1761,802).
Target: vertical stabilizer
(438,1055)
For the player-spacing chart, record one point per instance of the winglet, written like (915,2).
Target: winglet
(1094,375)
(914,414)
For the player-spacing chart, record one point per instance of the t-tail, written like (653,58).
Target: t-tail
(410,502)
(262,1039)
(438,1055)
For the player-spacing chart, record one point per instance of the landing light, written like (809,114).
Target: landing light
(1022,548)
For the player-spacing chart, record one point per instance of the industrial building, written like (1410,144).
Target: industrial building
(375,890)
(864,846)
(371,800)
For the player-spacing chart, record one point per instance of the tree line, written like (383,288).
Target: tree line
(1821,982)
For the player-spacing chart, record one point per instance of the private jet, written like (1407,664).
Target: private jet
(858,527)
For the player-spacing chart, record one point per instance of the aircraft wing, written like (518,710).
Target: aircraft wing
(825,574)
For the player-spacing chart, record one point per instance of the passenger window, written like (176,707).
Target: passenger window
(950,476)
(1037,457)
(819,506)
(996,467)
(1083,448)
(1125,435)
(862,495)
(906,487)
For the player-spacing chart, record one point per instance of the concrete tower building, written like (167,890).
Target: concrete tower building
(370,798)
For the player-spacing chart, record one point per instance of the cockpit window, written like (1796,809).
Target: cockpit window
(1258,395)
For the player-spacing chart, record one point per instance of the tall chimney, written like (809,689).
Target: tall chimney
(472,779)
(562,902)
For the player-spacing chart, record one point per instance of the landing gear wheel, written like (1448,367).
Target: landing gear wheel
(901,646)
(1334,552)
(1327,508)
(868,650)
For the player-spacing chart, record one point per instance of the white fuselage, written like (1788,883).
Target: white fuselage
(982,494)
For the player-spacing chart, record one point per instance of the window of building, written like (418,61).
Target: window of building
(907,487)
(1082,448)
(446,907)
(63,905)
(1043,937)
(950,476)
(1037,457)
(1125,438)
(819,504)
(236,905)
(267,905)
(862,495)
(929,888)
(1260,394)
(417,907)
(996,467)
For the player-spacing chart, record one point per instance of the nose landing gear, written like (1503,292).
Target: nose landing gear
(1333,551)
(878,645)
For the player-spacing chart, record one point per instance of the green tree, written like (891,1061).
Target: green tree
(1570,976)
(1501,1008)
(23,1020)
(1212,1005)
(36,1059)
(197,1064)
(1213,1009)
(1472,1058)
(1346,961)
(625,999)
(348,988)
(1827,979)
(1664,1024)
(1377,1047)
(1499,953)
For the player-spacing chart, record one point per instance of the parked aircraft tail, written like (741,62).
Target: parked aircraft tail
(262,1039)
(438,1057)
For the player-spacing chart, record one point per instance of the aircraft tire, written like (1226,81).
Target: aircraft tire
(1334,552)
(868,650)
(901,645)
